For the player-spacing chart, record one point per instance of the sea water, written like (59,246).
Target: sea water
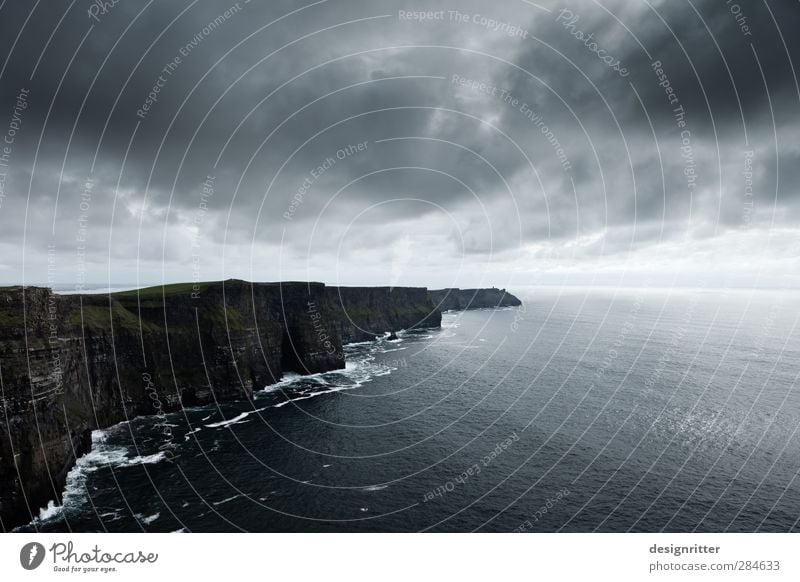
(582,410)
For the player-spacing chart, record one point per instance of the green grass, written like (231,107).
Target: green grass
(165,290)
(97,316)
(10,318)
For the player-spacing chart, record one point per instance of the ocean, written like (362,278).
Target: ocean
(583,410)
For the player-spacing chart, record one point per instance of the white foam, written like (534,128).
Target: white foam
(191,432)
(292,378)
(360,368)
(320,393)
(356,344)
(285,380)
(230,422)
(147,520)
(100,455)
(146,460)
(52,510)
(228,499)
(236,420)
(352,365)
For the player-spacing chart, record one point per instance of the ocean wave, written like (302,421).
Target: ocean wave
(450,321)
(286,380)
(240,419)
(102,455)
(227,499)
(195,430)
(315,394)
(147,519)
(361,366)
(99,456)
(52,510)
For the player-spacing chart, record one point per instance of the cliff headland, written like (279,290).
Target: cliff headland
(70,364)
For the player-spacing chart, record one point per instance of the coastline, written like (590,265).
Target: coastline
(72,364)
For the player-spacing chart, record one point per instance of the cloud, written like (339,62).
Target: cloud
(505,135)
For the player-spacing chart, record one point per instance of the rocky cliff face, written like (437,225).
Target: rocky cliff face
(447,299)
(361,313)
(70,364)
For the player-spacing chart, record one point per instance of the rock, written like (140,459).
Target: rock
(458,299)
(70,364)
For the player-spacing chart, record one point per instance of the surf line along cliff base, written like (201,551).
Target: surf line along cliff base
(70,364)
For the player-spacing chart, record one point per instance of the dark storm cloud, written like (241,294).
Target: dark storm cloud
(715,75)
(518,131)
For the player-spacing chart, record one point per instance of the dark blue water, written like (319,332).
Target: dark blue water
(581,411)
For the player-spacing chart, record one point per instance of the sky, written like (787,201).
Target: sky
(387,142)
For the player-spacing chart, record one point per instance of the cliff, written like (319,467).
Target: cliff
(361,313)
(70,364)
(459,299)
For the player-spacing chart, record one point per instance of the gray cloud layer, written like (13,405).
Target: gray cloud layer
(502,140)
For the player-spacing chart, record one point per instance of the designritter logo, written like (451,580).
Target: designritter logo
(31,555)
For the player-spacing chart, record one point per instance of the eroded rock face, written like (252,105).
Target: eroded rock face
(71,364)
(362,313)
(458,299)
